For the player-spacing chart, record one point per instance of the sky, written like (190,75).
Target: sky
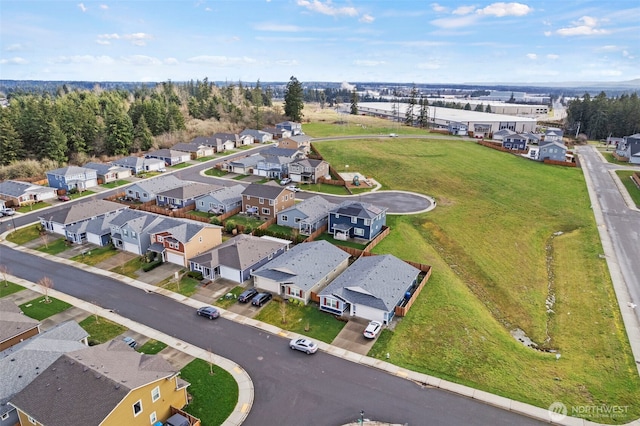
(401,41)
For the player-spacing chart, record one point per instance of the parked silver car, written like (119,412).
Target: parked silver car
(304,345)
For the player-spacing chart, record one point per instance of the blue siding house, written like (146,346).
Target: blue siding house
(307,216)
(515,142)
(72,177)
(355,219)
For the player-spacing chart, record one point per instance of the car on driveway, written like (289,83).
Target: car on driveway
(372,330)
(208,312)
(285,181)
(130,341)
(7,211)
(63,198)
(293,188)
(247,295)
(261,298)
(304,345)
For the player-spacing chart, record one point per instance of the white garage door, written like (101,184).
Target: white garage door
(175,258)
(131,248)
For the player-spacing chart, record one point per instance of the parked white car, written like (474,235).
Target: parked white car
(7,211)
(372,330)
(293,188)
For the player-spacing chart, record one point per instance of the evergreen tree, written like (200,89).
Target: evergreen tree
(467,107)
(423,116)
(354,102)
(293,100)
(55,146)
(488,108)
(479,108)
(119,129)
(409,116)
(257,101)
(322,98)
(10,142)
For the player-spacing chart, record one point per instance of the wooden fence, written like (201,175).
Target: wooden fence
(620,158)
(635,177)
(401,311)
(315,234)
(228,214)
(560,163)
(498,146)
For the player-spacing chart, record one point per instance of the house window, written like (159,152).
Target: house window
(159,239)
(297,219)
(261,200)
(331,303)
(133,235)
(358,231)
(4,416)
(155,394)
(137,408)
(270,202)
(200,239)
(354,220)
(284,218)
(145,195)
(367,222)
(125,232)
(266,211)
(174,245)
(153,418)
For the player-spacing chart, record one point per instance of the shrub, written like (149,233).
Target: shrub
(195,274)
(151,265)
(216,221)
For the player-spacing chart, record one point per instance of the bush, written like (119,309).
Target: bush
(151,265)
(215,221)
(229,227)
(195,274)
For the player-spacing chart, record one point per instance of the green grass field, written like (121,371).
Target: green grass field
(40,309)
(100,329)
(7,288)
(634,191)
(491,242)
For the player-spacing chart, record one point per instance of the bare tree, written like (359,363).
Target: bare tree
(45,240)
(210,362)
(283,311)
(47,284)
(4,270)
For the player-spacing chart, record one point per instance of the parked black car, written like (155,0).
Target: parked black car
(247,295)
(208,312)
(261,298)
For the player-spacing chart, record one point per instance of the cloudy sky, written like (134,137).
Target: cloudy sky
(321,40)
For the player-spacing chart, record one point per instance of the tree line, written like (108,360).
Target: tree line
(600,117)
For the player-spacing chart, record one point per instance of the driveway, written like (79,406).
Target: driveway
(352,339)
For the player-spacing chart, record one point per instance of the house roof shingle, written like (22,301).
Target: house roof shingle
(12,321)
(239,253)
(269,192)
(358,209)
(82,211)
(314,208)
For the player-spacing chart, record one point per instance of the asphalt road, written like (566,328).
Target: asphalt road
(290,387)
(623,224)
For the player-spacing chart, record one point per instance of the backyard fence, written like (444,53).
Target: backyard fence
(635,177)
(560,163)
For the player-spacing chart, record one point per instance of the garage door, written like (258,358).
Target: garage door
(178,259)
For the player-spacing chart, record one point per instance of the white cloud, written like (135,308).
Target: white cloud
(548,33)
(138,39)
(464,10)
(14,61)
(532,56)
(83,59)
(367,63)
(505,9)
(13,47)
(82,7)
(288,62)
(583,26)
(141,60)
(104,7)
(221,61)
(458,22)
(265,26)
(208,9)
(428,66)
(438,8)
(327,8)
(171,61)
(552,56)
(103,42)
(367,19)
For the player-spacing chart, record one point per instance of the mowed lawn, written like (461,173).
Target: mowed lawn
(491,241)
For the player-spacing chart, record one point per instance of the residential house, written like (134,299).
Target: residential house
(107,384)
(184,196)
(169,156)
(72,177)
(177,241)
(277,133)
(458,129)
(98,230)
(244,165)
(129,230)
(221,200)
(370,288)
(259,136)
(555,151)
(306,268)
(481,130)
(139,165)
(109,172)
(15,326)
(225,141)
(308,170)
(16,193)
(57,221)
(553,135)
(502,133)
(266,201)
(23,362)
(515,142)
(532,138)
(148,189)
(355,219)
(245,140)
(292,126)
(195,150)
(630,148)
(237,257)
(300,142)
(276,162)
(307,216)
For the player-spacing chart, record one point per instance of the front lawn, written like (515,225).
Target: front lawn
(179,166)
(96,255)
(100,329)
(187,286)
(39,309)
(55,247)
(216,172)
(214,395)
(31,207)
(224,302)
(115,184)
(324,188)
(130,268)
(152,347)
(307,320)
(24,235)
(7,288)
(632,189)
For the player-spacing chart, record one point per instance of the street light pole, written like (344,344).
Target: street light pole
(362,417)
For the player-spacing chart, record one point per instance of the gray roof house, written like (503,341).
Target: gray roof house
(184,196)
(259,136)
(109,172)
(22,363)
(308,170)
(301,142)
(294,127)
(169,156)
(555,151)
(72,177)
(15,326)
(370,288)
(17,193)
(195,150)
(57,221)
(237,257)
(244,165)
(304,269)
(140,164)
(307,216)
(221,200)
(630,147)
(147,190)
(500,134)
(129,230)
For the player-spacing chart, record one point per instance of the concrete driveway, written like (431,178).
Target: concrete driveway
(352,339)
